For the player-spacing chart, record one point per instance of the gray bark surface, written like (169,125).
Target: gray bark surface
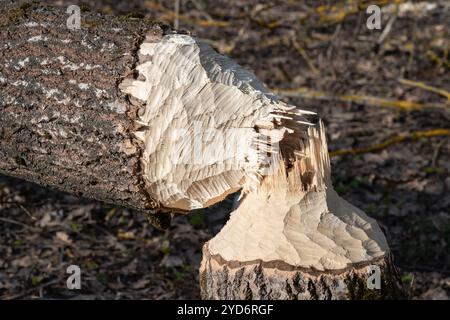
(64,122)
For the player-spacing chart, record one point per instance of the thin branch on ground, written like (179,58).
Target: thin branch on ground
(426,87)
(437,151)
(405,105)
(170,15)
(296,44)
(391,141)
(31,290)
(11,221)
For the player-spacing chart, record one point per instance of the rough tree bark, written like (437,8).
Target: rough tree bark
(64,122)
(128,112)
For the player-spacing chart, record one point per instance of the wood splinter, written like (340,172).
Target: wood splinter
(136,115)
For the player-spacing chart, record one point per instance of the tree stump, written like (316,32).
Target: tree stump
(295,238)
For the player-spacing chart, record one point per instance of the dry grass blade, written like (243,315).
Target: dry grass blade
(426,87)
(389,142)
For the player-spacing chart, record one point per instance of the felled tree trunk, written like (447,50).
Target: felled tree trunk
(128,113)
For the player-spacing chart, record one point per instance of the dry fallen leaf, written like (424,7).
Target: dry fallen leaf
(64,237)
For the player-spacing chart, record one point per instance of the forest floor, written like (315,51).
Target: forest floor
(384,97)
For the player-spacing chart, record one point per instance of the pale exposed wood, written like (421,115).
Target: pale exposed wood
(204,122)
(294,238)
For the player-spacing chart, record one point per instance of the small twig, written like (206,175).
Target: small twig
(405,105)
(257,10)
(336,32)
(304,55)
(412,284)
(26,292)
(304,92)
(387,143)
(27,212)
(169,15)
(436,152)
(426,87)
(388,27)
(382,102)
(18,223)
(418,268)
(200,8)
(176,22)
(229,49)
